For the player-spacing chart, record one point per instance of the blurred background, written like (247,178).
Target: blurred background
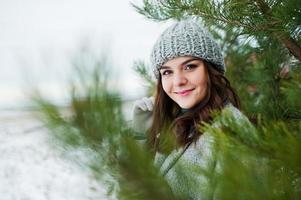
(39,41)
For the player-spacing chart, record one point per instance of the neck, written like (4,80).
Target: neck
(184,110)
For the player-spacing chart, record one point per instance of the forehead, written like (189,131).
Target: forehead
(179,60)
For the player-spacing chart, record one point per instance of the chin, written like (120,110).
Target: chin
(186,106)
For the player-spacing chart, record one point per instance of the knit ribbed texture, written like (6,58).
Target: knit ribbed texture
(186,38)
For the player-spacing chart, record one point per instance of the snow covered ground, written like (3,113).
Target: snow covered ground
(31,169)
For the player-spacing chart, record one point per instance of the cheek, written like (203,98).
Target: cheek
(165,86)
(203,84)
(201,81)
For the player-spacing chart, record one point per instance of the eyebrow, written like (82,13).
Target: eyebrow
(185,62)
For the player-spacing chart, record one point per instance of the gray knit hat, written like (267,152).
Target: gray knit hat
(186,38)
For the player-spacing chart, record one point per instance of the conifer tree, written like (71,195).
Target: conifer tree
(261,41)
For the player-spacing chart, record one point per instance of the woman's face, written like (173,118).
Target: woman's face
(184,80)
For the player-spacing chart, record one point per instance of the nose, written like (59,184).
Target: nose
(179,79)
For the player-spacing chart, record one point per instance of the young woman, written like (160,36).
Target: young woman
(189,67)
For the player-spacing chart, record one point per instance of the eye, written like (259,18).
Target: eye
(190,66)
(166,72)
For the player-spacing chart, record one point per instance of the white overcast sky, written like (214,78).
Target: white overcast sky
(39,37)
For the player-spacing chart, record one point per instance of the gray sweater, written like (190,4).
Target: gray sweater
(186,169)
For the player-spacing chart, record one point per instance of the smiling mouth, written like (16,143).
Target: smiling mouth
(184,92)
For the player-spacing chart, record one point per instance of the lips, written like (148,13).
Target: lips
(184,92)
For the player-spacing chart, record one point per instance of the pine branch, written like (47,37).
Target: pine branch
(96,123)
(141,69)
(217,12)
(290,44)
(287,41)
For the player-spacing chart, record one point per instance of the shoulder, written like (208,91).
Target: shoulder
(206,140)
(227,114)
(235,111)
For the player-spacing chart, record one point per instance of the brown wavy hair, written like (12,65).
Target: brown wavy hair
(172,127)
